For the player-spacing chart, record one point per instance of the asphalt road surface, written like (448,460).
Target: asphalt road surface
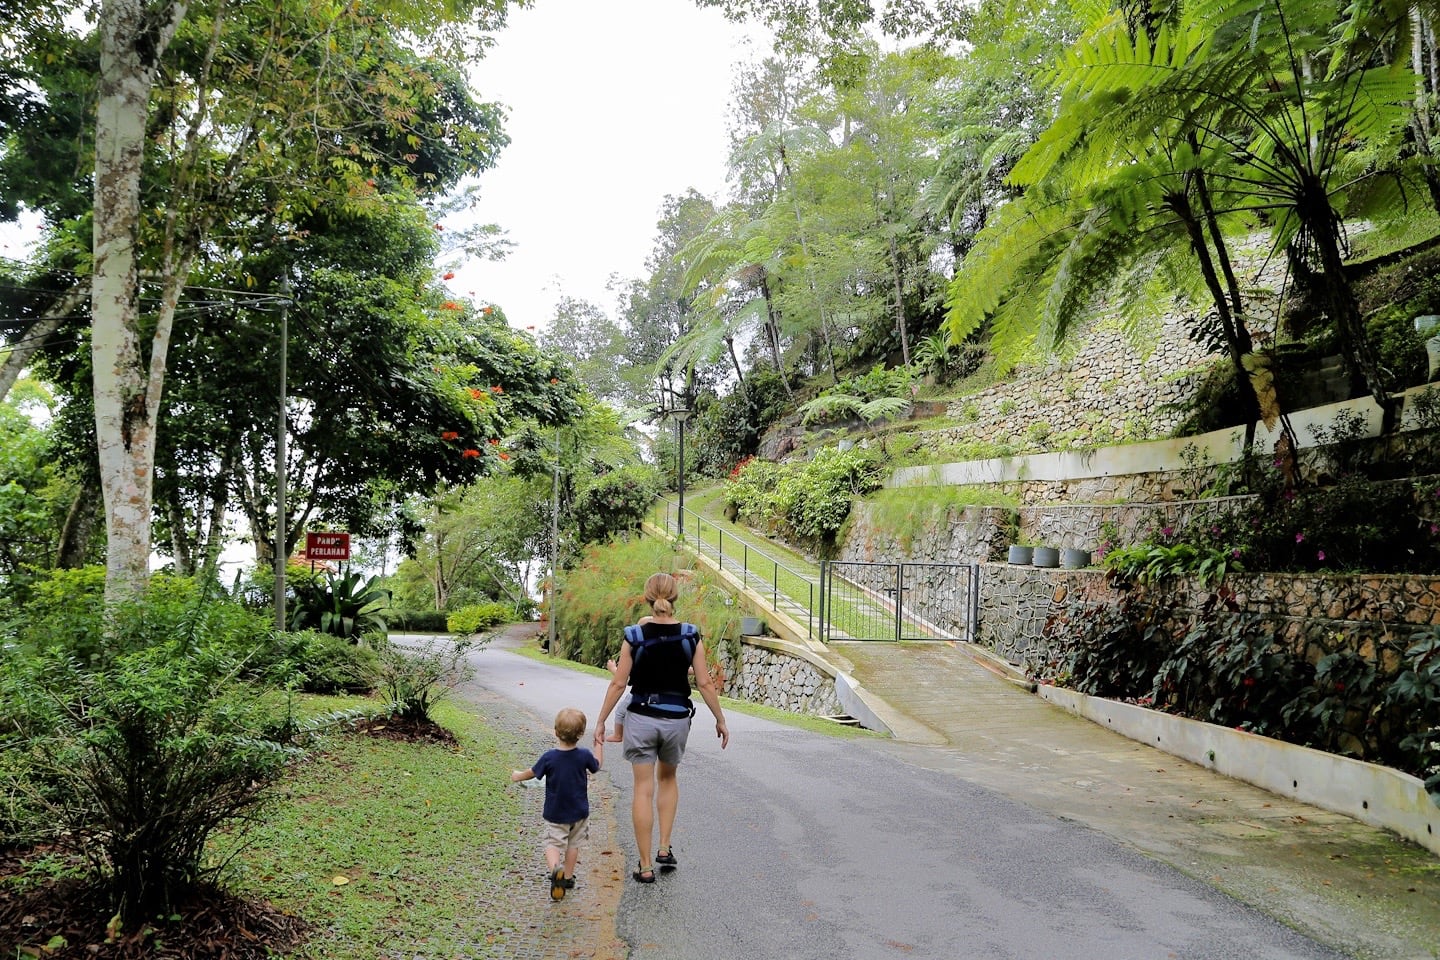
(800,846)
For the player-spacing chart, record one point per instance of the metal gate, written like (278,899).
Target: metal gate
(898,601)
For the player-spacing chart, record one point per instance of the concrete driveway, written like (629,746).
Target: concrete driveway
(800,845)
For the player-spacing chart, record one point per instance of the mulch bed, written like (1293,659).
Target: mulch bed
(213,924)
(410,731)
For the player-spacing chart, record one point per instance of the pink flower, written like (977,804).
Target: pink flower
(1167,531)
(1235,553)
(1320,555)
(1299,538)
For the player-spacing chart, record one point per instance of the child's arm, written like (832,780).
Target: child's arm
(517,775)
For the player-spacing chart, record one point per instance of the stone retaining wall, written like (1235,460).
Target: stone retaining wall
(1108,392)
(1371,615)
(777,679)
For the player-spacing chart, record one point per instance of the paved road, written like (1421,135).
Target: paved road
(795,845)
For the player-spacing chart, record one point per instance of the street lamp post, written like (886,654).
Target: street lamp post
(675,404)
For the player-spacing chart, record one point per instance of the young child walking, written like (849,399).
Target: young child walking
(566,770)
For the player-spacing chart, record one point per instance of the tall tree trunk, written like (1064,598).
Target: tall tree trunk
(1323,225)
(133,37)
(1236,348)
(809,273)
(79,528)
(899,301)
(772,332)
(1421,123)
(180,543)
(219,505)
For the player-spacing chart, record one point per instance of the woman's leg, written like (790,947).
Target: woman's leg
(642,809)
(667,800)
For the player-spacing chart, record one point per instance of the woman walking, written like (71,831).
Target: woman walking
(655,661)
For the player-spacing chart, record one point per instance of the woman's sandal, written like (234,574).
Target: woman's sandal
(644,874)
(666,859)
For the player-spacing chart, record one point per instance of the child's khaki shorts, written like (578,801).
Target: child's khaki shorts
(563,836)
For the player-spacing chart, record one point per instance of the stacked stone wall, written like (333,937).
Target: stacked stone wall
(778,679)
(1372,616)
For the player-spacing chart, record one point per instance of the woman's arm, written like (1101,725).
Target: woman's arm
(619,680)
(707,690)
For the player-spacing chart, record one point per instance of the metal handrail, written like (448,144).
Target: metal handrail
(746,550)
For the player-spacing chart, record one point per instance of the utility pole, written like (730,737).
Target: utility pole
(554,543)
(281,554)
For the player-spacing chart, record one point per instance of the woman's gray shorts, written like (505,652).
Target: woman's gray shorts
(648,739)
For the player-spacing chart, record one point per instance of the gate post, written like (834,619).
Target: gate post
(972,626)
(824,570)
(899,601)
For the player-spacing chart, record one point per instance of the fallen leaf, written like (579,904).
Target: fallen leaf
(340,880)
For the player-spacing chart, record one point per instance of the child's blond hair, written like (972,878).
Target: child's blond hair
(569,726)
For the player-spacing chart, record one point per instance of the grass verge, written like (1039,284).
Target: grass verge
(390,847)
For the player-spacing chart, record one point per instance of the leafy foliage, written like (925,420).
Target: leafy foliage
(481,616)
(614,503)
(416,678)
(136,758)
(344,605)
(604,592)
(1224,665)
(806,502)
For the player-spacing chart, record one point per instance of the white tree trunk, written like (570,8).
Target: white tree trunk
(133,36)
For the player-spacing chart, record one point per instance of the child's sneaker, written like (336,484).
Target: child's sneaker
(558,884)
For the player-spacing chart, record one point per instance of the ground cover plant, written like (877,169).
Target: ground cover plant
(1222,664)
(375,839)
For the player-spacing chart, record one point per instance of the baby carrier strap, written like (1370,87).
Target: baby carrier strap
(689,637)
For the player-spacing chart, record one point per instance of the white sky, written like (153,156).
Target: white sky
(613,105)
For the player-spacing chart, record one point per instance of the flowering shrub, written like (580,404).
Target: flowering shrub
(1355,524)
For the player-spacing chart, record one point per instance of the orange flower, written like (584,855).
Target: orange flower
(497,389)
(504,456)
(476,394)
(449,275)
(472,452)
(487,311)
(494,442)
(554,379)
(449,305)
(450,435)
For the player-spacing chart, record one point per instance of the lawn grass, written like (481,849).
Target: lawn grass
(386,845)
(790,574)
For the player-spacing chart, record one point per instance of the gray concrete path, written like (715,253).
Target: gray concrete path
(993,845)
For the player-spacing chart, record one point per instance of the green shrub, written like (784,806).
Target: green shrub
(325,663)
(615,502)
(417,621)
(342,604)
(604,593)
(136,759)
(416,678)
(65,615)
(806,503)
(482,616)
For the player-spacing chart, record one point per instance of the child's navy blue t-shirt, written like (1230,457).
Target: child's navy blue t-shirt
(567,796)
